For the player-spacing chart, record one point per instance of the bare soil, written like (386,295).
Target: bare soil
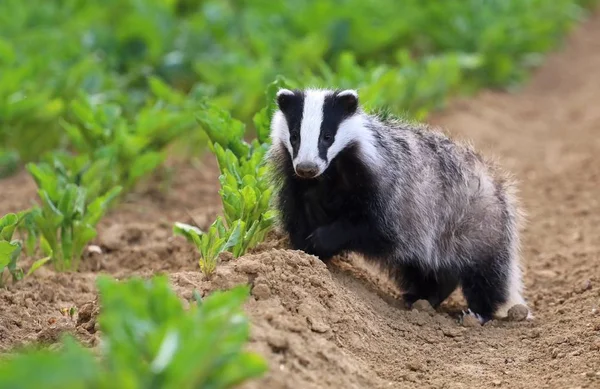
(343,326)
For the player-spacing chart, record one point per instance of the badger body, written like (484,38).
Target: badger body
(430,211)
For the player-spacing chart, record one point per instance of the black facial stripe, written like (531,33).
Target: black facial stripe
(334,114)
(293,117)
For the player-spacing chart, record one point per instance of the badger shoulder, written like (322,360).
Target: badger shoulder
(455,156)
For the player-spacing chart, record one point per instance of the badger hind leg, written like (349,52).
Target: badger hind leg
(419,284)
(491,285)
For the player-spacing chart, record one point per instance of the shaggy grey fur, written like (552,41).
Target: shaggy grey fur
(453,215)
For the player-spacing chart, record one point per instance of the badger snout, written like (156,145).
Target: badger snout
(307,170)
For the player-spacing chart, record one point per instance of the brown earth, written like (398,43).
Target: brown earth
(342,326)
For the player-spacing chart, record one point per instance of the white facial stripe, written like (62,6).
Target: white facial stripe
(354,129)
(312,116)
(280,131)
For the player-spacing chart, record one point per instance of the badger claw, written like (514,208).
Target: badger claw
(477,316)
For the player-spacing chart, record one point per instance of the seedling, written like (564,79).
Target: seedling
(10,250)
(245,187)
(134,147)
(67,217)
(149,340)
(212,243)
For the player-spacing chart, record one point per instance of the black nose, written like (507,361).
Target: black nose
(307,170)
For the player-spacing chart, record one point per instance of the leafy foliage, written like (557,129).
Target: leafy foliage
(68,215)
(107,49)
(149,340)
(10,249)
(212,243)
(132,149)
(246,189)
(112,155)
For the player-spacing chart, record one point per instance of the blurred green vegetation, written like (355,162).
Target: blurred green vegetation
(409,55)
(148,341)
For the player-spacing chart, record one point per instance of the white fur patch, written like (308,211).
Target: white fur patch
(280,131)
(310,129)
(515,290)
(285,92)
(348,92)
(354,129)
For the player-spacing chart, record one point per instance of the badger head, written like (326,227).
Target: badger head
(315,125)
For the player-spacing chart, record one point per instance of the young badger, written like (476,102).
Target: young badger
(431,212)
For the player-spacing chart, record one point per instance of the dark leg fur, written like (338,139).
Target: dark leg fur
(484,285)
(335,213)
(328,241)
(418,285)
(332,239)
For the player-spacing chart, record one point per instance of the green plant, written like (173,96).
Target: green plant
(132,148)
(246,189)
(67,217)
(212,243)
(53,52)
(60,168)
(246,195)
(414,88)
(10,250)
(149,341)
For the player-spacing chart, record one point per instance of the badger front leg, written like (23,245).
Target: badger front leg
(327,241)
(342,235)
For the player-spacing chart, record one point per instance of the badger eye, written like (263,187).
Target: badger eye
(327,137)
(293,137)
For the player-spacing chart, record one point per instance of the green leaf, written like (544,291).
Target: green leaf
(48,239)
(36,265)
(187,231)
(262,120)
(15,271)
(68,202)
(67,239)
(46,248)
(235,235)
(83,233)
(9,163)
(7,249)
(249,196)
(51,214)
(164,92)
(216,247)
(143,165)
(45,179)
(98,207)
(8,224)
(246,365)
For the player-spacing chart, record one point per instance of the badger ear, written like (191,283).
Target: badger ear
(284,99)
(348,99)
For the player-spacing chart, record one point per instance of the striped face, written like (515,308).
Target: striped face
(313,126)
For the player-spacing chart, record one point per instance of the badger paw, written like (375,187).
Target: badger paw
(322,243)
(476,316)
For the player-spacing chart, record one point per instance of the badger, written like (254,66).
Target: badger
(428,210)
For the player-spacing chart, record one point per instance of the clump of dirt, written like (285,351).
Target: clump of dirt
(41,308)
(307,319)
(298,315)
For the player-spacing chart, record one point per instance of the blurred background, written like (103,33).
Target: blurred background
(408,56)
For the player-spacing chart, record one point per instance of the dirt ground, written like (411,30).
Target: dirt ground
(343,326)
